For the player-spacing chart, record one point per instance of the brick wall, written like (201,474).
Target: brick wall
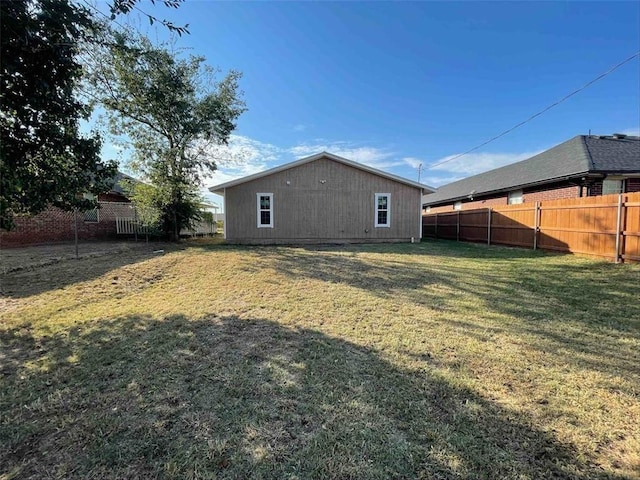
(632,185)
(54,225)
(536,194)
(558,192)
(112,197)
(595,189)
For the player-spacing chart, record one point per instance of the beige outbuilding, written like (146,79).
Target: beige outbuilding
(323,198)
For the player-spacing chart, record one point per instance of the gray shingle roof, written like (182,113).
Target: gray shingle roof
(580,155)
(614,155)
(117,187)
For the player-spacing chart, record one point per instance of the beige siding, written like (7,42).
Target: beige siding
(322,201)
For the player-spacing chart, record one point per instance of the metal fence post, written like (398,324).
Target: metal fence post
(75,230)
(618,228)
(489,226)
(536,225)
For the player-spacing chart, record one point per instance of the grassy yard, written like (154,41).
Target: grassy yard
(434,361)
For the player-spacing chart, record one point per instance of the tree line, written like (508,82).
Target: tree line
(58,62)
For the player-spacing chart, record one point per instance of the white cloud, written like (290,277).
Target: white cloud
(300,127)
(241,157)
(241,150)
(372,156)
(439,181)
(474,163)
(246,156)
(413,162)
(635,132)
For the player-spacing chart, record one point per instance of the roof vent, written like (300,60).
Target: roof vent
(620,135)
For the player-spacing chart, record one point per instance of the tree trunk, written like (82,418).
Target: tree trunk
(176,231)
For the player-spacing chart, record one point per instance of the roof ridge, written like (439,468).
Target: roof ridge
(588,151)
(312,158)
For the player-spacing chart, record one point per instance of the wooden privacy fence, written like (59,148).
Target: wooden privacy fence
(606,226)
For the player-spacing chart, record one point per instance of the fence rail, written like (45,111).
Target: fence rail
(202,227)
(606,226)
(130,226)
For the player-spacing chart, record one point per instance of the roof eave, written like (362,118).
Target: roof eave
(515,187)
(219,189)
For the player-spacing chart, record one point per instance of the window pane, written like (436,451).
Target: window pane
(265,203)
(611,186)
(382,217)
(265,217)
(515,197)
(382,203)
(91,216)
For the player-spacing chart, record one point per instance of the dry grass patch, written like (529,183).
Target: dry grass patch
(434,360)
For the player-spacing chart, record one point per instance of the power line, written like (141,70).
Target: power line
(599,77)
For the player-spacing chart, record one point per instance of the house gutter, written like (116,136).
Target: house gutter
(420,214)
(224,224)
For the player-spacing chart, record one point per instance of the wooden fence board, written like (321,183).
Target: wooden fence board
(581,225)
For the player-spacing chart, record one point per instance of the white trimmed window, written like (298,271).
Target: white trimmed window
(265,210)
(383,210)
(515,197)
(457,206)
(612,185)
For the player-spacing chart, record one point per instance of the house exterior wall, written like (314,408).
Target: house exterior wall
(630,185)
(55,225)
(535,194)
(633,185)
(322,201)
(556,191)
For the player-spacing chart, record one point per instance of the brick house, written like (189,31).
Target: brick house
(55,225)
(585,165)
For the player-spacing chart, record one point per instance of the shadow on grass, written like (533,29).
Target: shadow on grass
(60,271)
(578,311)
(228,398)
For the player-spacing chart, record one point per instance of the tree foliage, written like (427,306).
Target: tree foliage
(44,160)
(119,7)
(170,108)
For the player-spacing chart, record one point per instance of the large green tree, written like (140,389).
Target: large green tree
(44,160)
(170,108)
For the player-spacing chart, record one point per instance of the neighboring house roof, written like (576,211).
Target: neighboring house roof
(220,188)
(117,187)
(581,155)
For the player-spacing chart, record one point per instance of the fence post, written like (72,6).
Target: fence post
(75,230)
(536,225)
(436,229)
(489,226)
(618,228)
(135,222)
(458,227)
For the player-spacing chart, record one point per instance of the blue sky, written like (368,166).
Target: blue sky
(398,84)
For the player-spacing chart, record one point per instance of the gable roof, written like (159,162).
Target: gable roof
(581,155)
(220,188)
(117,187)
